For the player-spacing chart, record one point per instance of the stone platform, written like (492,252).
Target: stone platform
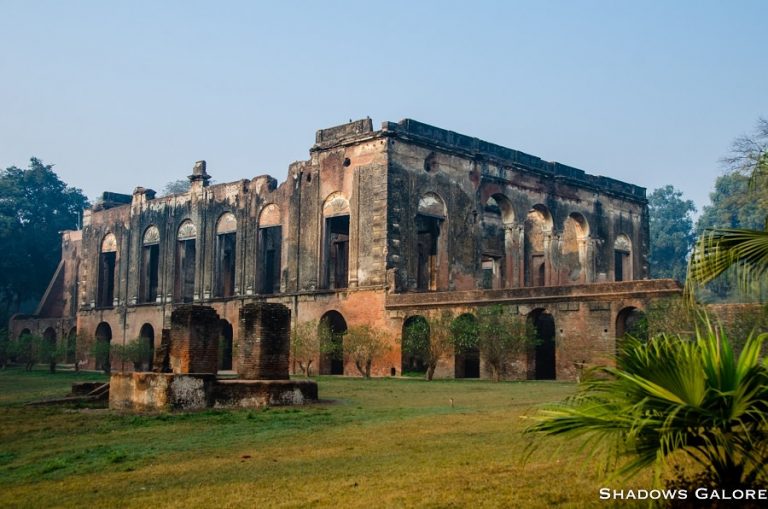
(138,392)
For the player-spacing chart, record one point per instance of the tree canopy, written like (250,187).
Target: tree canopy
(35,205)
(740,249)
(671,229)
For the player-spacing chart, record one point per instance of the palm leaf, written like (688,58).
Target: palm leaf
(719,249)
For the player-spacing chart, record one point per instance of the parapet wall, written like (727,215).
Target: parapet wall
(473,147)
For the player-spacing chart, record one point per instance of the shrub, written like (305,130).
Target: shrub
(671,395)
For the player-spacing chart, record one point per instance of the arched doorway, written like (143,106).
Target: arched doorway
(147,338)
(631,321)
(50,354)
(71,356)
(102,350)
(544,353)
(225,345)
(50,337)
(467,359)
(333,327)
(414,345)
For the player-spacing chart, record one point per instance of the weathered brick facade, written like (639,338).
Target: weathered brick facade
(264,342)
(376,227)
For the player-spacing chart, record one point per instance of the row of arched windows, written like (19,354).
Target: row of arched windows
(185,260)
(511,260)
(500,255)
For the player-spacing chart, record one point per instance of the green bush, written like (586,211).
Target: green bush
(672,395)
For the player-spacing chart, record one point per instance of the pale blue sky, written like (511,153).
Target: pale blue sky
(118,95)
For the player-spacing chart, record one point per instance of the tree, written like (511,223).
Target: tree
(745,250)
(31,349)
(429,340)
(501,336)
(305,343)
(102,353)
(180,186)
(671,229)
(732,206)
(136,352)
(34,207)
(363,344)
(671,395)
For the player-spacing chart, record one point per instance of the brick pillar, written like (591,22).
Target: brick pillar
(264,342)
(194,344)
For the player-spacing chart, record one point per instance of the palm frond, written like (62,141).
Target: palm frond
(719,249)
(671,394)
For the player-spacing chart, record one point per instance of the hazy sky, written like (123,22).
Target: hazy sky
(118,95)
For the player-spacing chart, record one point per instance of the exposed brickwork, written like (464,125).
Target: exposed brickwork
(264,348)
(376,226)
(194,344)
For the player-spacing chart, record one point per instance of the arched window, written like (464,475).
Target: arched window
(498,242)
(429,219)
(336,241)
(105,293)
(622,258)
(270,243)
(150,257)
(226,244)
(573,260)
(184,281)
(538,229)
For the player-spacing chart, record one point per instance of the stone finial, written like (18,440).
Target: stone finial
(199,174)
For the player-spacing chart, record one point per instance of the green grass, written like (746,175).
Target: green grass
(375,443)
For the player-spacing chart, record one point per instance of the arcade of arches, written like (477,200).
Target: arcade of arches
(376,226)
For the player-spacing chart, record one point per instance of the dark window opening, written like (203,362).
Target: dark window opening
(103,347)
(270,240)
(106,291)
(545,368)
(184,283)
(225,264)
(225,345)
(427,231)
(71,356)
(332,358)
(147,337)
(468,364)
(621,265)
(337,251)
(149,277)
(491,272)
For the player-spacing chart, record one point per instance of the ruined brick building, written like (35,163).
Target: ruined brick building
(378,226)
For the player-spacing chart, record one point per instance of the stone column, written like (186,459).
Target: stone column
(264,344)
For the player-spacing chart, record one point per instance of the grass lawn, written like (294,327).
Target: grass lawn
(375,443)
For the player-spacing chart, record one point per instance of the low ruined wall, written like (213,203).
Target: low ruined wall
(260,393)
(141,392)
(159,391)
